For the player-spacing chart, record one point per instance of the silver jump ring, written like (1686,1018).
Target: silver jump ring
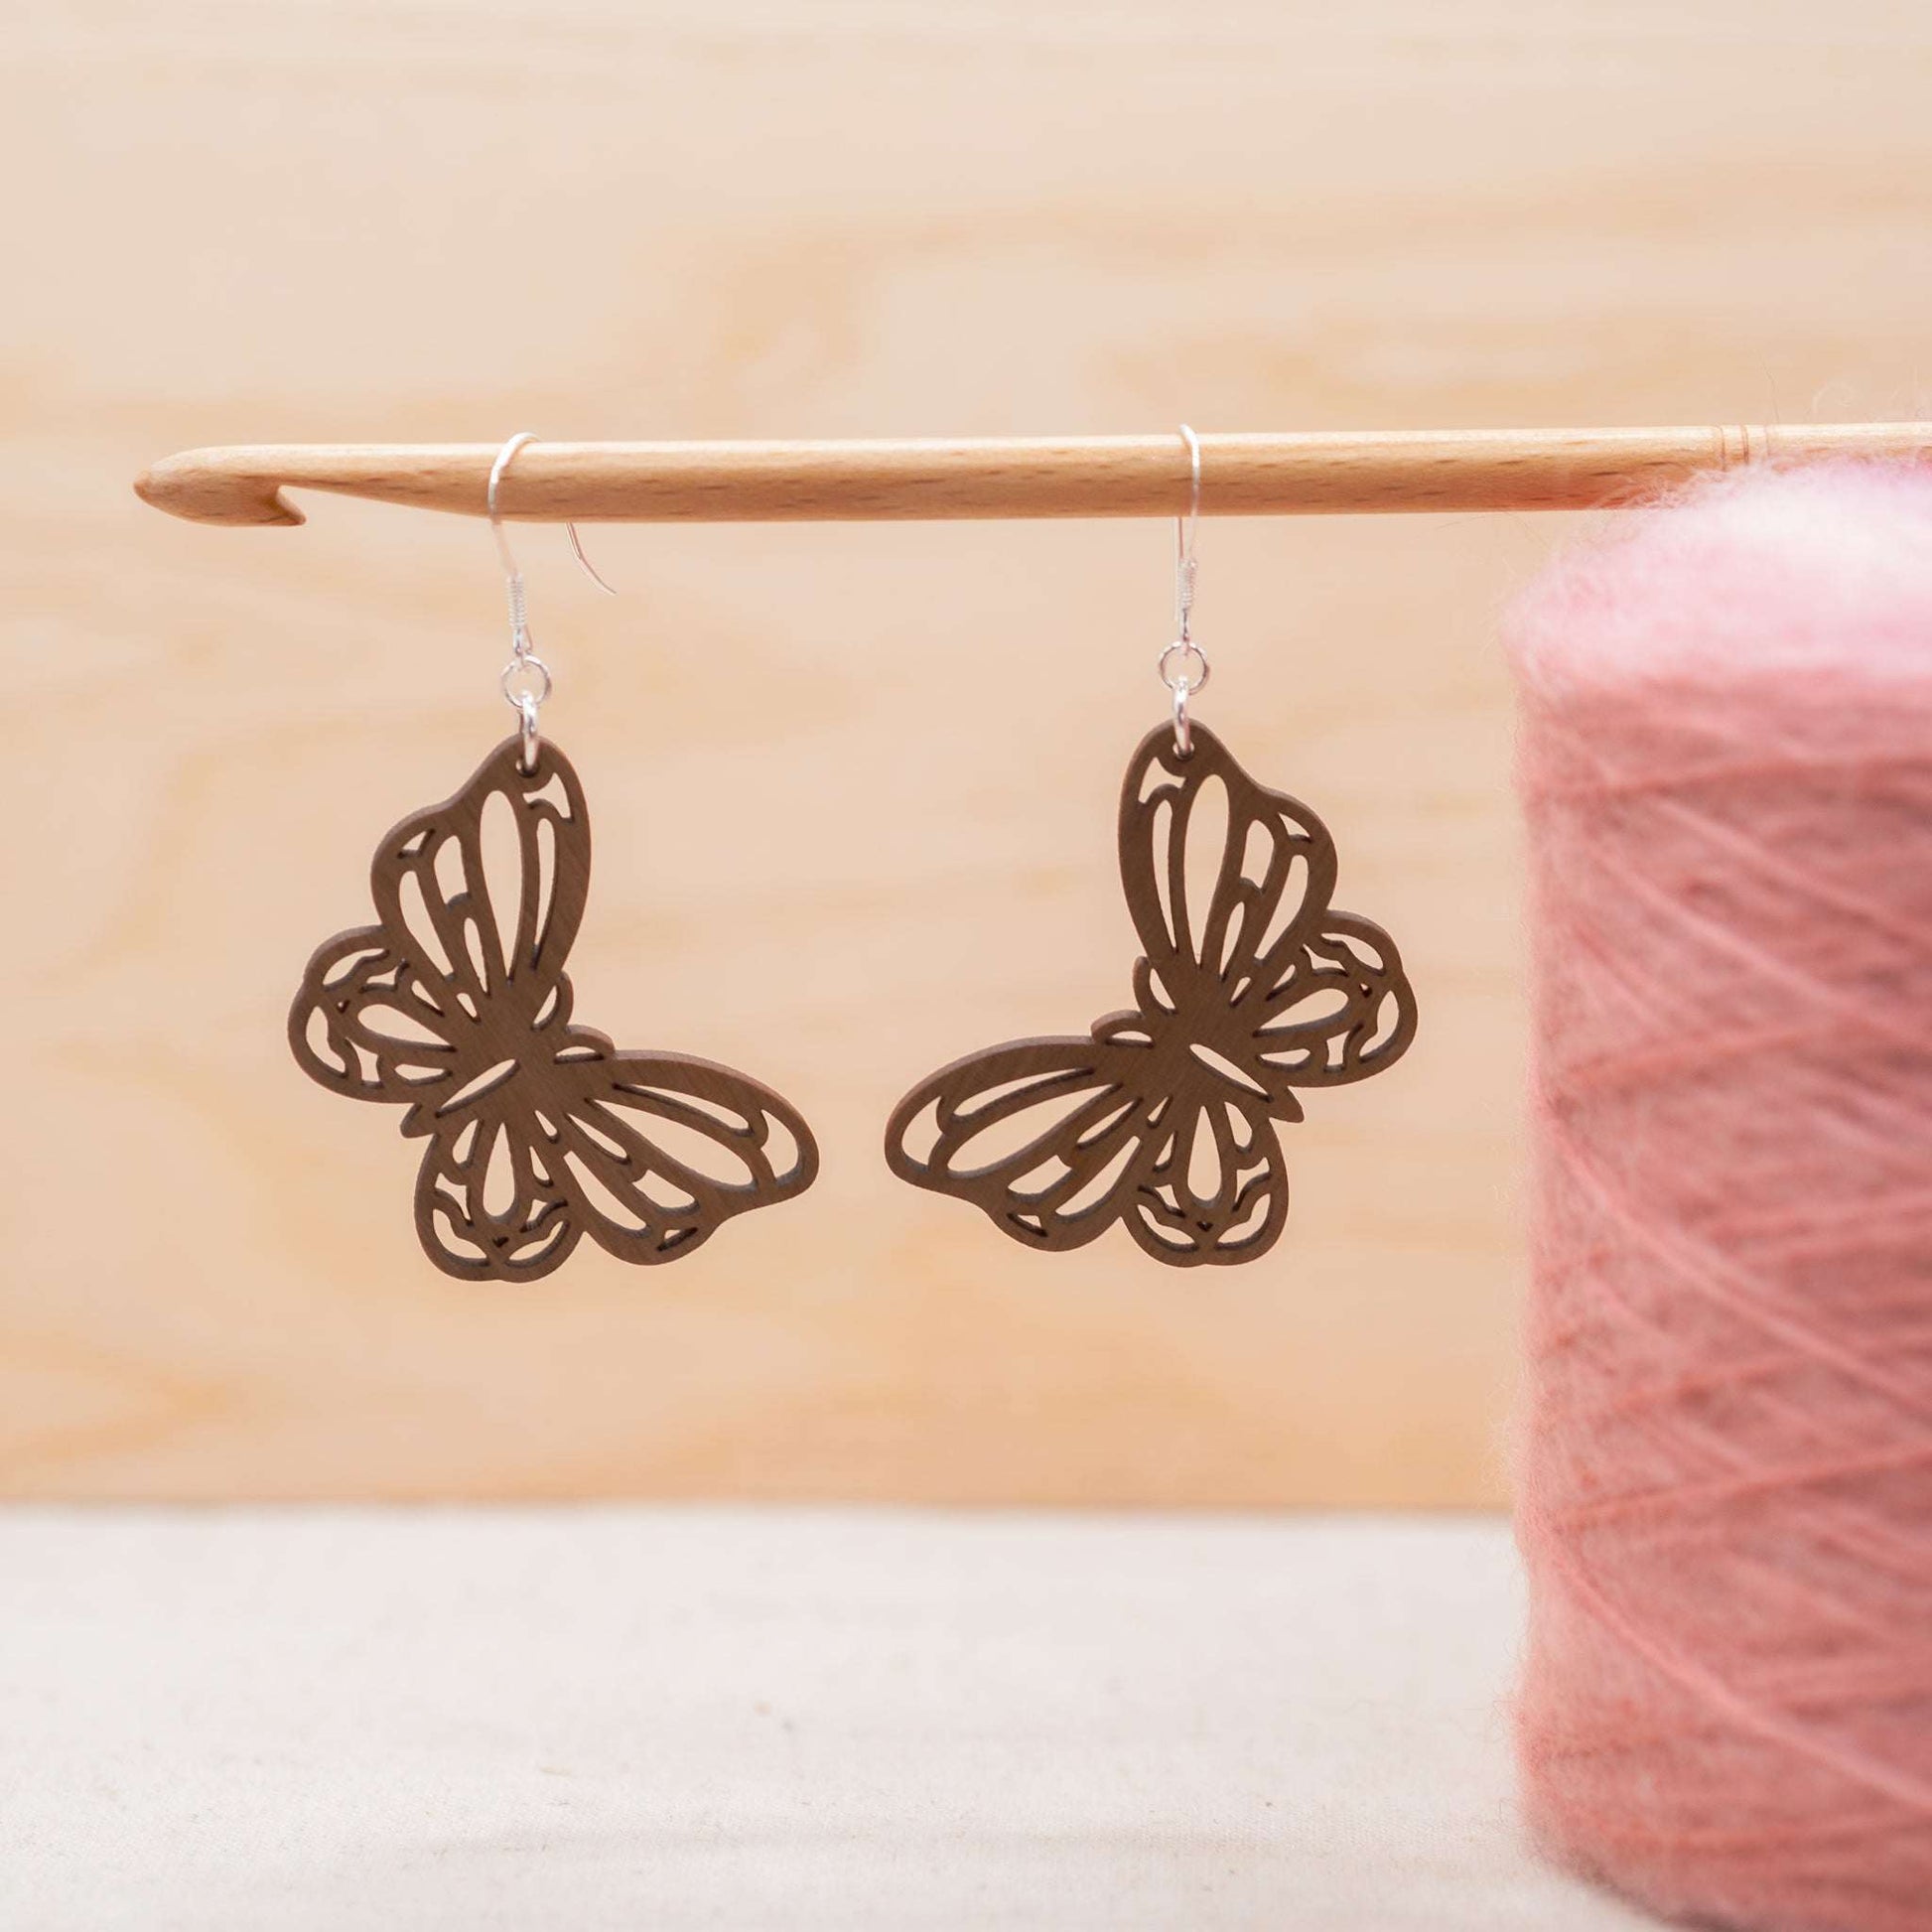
(1183,733)
(527,717)
(1174,657)
(526,680)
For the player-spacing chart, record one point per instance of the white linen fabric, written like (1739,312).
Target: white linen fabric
(656,1718)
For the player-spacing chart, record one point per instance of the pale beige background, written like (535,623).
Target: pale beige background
(853,786)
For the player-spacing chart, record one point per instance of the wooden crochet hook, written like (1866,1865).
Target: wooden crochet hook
(1094,476)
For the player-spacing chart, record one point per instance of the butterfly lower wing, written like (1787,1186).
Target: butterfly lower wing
(1049,1138)
(1337,1007)
(1217,1189)
(363,1024)
(488,1207)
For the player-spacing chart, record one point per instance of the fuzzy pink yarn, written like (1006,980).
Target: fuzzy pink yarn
(1727,1470)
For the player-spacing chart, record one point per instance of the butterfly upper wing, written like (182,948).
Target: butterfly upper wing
(1057,1139)
(1213,864)
(1047,1136)
(450,983)
(493,950)
(649,1154)
(1255,966)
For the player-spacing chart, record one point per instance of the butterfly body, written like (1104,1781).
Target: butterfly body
(1163,1117)
(454,1006)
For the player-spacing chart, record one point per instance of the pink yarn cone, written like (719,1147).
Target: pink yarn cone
(1726,1472)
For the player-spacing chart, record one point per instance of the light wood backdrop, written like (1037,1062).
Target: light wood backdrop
(853,785)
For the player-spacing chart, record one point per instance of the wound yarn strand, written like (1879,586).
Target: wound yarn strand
(1726,1459)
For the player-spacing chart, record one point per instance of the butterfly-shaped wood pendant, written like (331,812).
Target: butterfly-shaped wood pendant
(454,1006)
(1250,987)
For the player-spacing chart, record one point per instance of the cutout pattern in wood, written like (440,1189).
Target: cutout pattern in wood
(1163,1117)
(456,1006)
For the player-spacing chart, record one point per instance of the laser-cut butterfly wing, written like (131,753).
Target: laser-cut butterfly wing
(456,1006)
(648,1153)
(1249,986)
(1047,1136)
(1261,970)
(1055,1139)
(446,984)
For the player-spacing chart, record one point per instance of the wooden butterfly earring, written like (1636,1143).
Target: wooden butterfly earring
(456,1007)
(1249,988)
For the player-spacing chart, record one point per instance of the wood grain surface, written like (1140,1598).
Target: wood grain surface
(441,222)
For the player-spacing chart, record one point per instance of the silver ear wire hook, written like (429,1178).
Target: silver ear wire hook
(1175,660)
(1185,530)
(511,570)
(526,677)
